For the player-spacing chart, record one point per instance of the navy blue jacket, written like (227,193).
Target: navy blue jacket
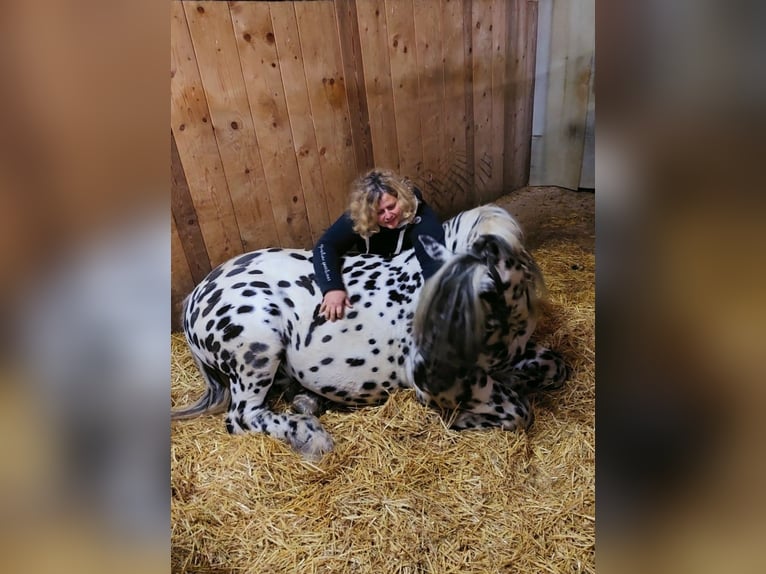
(340,238)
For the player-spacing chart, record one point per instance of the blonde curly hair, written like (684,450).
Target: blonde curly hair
(366,191)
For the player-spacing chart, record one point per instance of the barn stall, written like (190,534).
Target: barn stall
(275,108)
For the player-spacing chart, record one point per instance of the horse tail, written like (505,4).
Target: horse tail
(216,398)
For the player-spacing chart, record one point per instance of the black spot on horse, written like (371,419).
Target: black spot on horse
(235,271)
(231,331)
(247,258)
(215,274)
(222,310)
(273,310)
(317,321)
(307,283)
(396,296)
(212,302)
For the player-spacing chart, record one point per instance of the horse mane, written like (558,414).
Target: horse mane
(494,220)
(491,219)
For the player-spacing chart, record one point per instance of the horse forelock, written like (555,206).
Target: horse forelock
(450,319)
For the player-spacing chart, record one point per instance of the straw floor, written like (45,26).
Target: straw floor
(401,493)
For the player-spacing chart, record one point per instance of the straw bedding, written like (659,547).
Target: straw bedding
(401,493)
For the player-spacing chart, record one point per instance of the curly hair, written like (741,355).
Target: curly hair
(366,191)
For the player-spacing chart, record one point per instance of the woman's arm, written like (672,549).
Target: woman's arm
(335,241)
(427,222)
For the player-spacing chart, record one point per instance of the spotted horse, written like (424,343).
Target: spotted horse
(462,340)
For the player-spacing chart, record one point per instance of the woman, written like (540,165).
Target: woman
(386,215)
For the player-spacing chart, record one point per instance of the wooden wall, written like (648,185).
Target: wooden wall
(277,106)
(563,126)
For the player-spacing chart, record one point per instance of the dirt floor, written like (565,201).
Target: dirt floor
(553,213)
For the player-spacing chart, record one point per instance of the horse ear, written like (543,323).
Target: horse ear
(434,249)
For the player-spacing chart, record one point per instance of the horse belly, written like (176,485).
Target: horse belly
(348,370)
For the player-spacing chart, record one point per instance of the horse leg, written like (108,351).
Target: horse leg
(505,409)
(537,369)
(252,375)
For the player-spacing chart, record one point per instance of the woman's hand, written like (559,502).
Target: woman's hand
(333,304)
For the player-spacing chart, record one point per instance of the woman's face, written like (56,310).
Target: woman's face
(389,212)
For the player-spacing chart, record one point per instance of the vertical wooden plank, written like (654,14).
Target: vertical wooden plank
(197,146)
(218,59)
(327,94)
(470,160)
(356,88)
(299,110)
(259,61)
(542,61)
(522,32)
(499,30)
(377,73)
(481,19)
(181,281)
(456,175)
(186,220)
(588,171)
(571,52)
(403,58)
(428,33)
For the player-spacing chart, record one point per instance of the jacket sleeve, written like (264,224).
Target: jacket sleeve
(336,241)
(427,222)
